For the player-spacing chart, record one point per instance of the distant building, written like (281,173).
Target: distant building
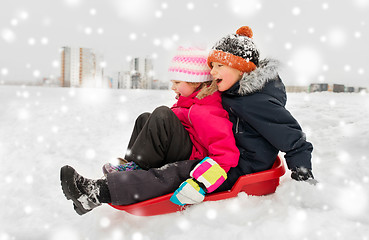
(80,68)
(140,76)
(122,80)
(318,87)
(296,88)
(362,89)
(338,88)
(349,89)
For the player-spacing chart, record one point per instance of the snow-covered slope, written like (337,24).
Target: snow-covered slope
(42,129)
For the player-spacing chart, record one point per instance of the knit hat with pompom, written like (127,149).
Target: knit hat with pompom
(189,65)
(236,50)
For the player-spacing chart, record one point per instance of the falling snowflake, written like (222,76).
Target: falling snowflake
(90,154)
(88,30)
(325,6)
(184,224)
(44,41)
(197,29)
(190,6)
(100,31)
(347,68)
(133,36)
(337,37)
(31,41)
(158,14)
(93,11)
(28,209)
(8,35)
(164,5)
(55,64)
(157,42)
(40,139)
(23,15)
(104,222)
(29,179)
(4,71)
(36,73)
(211,214)
(14,22)
(288,45)
(137,236)
(353,200)
(245,8)
(23,114)
(296,11)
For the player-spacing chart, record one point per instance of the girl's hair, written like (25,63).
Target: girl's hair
(206,88)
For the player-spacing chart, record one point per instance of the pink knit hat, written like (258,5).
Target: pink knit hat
(190,65)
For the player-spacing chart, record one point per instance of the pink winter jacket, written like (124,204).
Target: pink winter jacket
(209,128)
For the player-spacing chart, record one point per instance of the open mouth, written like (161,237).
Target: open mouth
(219,81)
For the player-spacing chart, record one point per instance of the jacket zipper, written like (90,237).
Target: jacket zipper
(238,119)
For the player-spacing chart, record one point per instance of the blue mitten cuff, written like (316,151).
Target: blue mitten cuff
(189,192)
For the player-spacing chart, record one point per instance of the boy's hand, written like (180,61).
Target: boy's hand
(303,174)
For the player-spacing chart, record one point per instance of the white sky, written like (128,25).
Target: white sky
(317,41)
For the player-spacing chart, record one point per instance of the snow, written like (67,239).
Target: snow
(43,129)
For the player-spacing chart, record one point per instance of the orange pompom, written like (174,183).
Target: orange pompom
(245,31)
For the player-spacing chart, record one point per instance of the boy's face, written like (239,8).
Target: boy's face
(225,76)
(183,88)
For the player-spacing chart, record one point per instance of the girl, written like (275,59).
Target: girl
(255,97)
(167,146)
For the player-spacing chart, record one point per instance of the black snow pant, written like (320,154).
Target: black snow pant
(161,146)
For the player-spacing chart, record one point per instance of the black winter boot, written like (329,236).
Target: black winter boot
(85,193)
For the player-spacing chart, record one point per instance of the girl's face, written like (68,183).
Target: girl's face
(225,76)
(183,88)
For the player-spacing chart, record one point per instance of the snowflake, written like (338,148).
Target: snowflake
(36,73)
(158,14)
(4,71)
(296,11)
(90,153)
(93,11)
(8,35)
(31,41)
(104,222)
(184,224)
(197,29)
(44,41)
(190,6)
(211,214)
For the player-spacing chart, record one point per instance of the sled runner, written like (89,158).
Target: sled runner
(257,184)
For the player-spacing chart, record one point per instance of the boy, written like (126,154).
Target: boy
(255,97)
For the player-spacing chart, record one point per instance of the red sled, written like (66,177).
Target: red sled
(257,184)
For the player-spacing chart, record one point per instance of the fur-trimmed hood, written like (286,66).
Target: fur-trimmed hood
(256,80)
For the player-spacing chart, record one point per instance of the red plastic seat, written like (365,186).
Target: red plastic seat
(257,184)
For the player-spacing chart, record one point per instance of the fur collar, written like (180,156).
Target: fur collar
(256,80)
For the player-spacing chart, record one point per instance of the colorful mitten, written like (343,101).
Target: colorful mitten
(189,192)
(209,173)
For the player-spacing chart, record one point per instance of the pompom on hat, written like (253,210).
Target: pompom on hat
(236,50)
(190,65)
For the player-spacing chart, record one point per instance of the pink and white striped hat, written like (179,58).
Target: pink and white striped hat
(190,65)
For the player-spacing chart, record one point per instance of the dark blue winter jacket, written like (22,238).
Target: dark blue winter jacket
(262,126)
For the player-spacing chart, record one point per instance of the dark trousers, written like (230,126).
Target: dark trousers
(161,146)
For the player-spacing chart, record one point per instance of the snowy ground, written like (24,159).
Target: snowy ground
(42,129)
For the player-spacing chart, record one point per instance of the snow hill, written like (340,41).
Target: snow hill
(42,129)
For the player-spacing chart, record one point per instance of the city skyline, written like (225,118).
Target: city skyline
(316,42)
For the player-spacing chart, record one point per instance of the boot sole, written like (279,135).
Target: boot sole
(70,190)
